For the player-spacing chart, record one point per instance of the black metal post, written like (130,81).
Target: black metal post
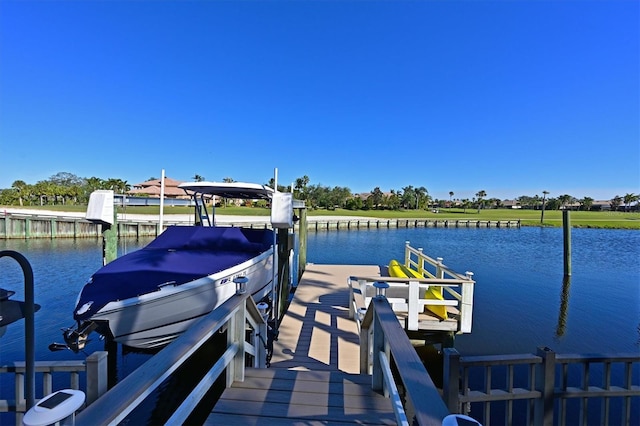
(29,324)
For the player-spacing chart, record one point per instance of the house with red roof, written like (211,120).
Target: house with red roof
(152,188)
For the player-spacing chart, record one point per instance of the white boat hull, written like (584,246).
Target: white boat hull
(155,319)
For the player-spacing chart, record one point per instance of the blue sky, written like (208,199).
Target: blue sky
(509,97)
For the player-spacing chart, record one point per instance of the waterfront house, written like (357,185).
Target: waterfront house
(151,188)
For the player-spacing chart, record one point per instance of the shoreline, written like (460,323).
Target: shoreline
(593,223)
(35,223)
(183,218)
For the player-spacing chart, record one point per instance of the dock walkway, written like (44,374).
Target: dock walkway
(314,375)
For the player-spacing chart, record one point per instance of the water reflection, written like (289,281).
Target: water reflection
(564,304)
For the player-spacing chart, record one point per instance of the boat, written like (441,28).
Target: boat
(147,298)
(397,269)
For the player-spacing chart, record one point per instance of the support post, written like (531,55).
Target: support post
(414,305)
(97,375)
(421,261)
(161,216)
(543,408)
(451,379)
(566,228)
(439,269)
(110,240)
(284,249)
(29,326)
(407,253)
(302,242)
(235,334)
(377,376)
(466,304)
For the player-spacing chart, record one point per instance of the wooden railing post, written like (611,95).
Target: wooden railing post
(412,315)
(439,269)
(352,308)
(235,335)
(21,402)
(47,383)
(97,373)
(378,343)
(466,305)
(407,252)
(451,379)
(260,337)
(543,408)
(421,261)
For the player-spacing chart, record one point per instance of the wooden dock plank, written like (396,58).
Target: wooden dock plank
(249,420)
(331,397)
(316,332)
(314,376)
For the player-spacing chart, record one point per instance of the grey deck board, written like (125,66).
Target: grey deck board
(314,376)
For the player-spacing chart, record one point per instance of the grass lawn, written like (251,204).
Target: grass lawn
(611,220)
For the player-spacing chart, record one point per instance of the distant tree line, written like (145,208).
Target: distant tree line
(60,189)
(67,188)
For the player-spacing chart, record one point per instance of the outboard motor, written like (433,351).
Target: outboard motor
(75,338)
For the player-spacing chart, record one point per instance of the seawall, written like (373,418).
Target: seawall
(25,223)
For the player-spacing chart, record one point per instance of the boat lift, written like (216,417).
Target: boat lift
(26,310)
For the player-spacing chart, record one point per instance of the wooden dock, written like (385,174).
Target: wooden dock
(314,376)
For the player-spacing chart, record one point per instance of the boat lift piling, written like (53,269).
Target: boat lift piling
(566,233)
(100,210)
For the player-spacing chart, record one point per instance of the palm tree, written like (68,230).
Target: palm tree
(564,199)
(407,196)
(586,203)
(465,204)
(615,202)
(376,197)
(422,194)
(481,194)
(450,199)
(301,186)
(628,199)
(118,186)
(93,183)
(20,187)
(43,190)
(544,196)
(198,178)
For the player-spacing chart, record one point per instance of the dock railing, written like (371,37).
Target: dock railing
(383,344)
(437,270)
(237,314)
(406,295)
(538,388)
(94,368)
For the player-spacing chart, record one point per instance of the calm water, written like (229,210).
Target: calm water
(518,295)
(519,275)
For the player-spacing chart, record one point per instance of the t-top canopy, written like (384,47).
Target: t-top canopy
(229,189)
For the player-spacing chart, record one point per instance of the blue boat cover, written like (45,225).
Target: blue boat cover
(179,255)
